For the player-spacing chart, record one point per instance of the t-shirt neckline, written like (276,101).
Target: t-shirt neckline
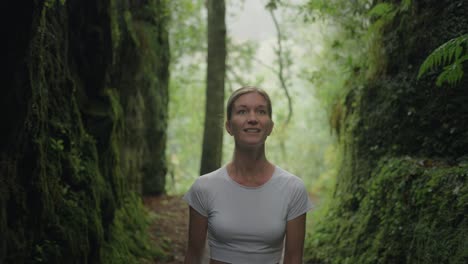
(226,175)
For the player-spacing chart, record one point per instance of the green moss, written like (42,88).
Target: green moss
(413,212)
(64,192)
(130,241)
(401,192)
(146,94)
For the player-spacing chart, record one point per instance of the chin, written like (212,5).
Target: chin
(252,144)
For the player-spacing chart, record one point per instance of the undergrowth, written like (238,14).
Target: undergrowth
(413,212)
(129,241)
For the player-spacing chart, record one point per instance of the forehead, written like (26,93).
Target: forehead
(250,99)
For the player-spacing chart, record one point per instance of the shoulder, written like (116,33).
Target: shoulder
(203,191)
(206,181)
(288,178)
(298,198)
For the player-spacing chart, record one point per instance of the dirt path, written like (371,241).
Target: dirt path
(169,230)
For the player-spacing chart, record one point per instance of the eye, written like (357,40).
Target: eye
(242,112)
(262,111)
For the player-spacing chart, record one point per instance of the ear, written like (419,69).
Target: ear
(227,125)
(271,127)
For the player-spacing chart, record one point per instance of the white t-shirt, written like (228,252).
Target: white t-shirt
(247,224)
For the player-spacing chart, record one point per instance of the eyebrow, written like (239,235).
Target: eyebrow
(258,106)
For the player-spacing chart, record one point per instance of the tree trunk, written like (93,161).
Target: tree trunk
(216,70)
(74,129)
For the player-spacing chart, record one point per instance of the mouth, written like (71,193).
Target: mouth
(252,130)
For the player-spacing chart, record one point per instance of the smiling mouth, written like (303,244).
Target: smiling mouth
(252,130)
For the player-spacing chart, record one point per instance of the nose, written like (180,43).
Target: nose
(252,118)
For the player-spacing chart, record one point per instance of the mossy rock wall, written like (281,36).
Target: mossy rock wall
(84,97)
(401,192)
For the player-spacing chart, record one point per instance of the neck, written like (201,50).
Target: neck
(249,159)
(250,166)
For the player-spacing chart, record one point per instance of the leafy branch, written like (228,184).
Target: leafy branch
(451,56)
(383,13)
(271,6)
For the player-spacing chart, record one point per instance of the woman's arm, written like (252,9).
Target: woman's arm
(198,224)
(295,234)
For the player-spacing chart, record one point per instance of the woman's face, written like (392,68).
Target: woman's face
(250,123)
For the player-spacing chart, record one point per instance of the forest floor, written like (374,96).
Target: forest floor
(169,229)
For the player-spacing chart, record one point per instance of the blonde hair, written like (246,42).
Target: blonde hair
(245,90)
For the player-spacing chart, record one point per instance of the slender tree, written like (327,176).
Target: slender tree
(216,70)
(282,59)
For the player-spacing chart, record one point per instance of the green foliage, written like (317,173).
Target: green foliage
(324,8)
(405,5)
(51,3)
(382,10)
(350,53)
(381,14)
(240,63)
(346,13)
(343,52)
(187,30)
(412,212)
(451,55)
(56,144)
(384,209)
(129,241)
(185,128)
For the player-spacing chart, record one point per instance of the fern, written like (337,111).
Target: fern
(384,13)
(451,55)
(382,10)
(405,5)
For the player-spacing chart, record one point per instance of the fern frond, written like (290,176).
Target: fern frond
(449,53)
(381,10)
(405,5)
(451,74)
(382,14)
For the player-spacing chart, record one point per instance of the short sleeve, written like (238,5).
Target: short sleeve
(300,202)
(196,198)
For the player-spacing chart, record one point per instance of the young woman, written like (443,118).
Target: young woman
(249,207)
